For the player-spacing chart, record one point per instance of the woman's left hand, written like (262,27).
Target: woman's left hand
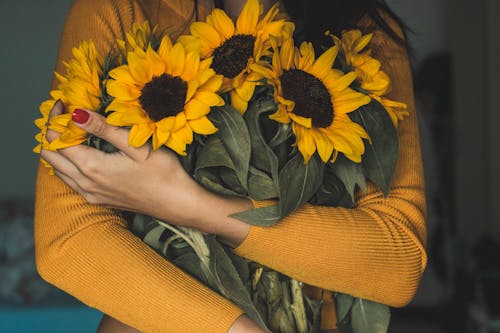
(138,179)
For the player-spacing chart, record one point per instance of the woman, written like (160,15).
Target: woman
(374,251)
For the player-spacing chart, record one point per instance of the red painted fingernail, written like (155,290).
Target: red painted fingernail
(80,116)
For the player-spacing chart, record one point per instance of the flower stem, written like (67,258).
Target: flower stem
(298,308)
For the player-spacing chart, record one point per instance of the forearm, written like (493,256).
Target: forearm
(89,253)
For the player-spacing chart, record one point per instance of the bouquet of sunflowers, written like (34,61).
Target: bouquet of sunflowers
(249,114)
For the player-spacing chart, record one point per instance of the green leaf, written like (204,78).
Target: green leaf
(298,181)
(264,217)
(228,280)
(260,185)
(350,173)
(380,157)
(152,238)
(233,132)
(369,317)
(213,154)
(142,224)
(263,157)
(190,263)
(313,307)
(242,266)
(283,133)
(344,304)
(231,181)
(209,181)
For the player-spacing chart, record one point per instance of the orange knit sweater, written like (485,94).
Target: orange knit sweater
(374,251)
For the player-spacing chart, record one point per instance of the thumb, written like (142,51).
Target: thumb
(94,123)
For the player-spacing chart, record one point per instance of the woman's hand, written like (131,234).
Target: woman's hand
(141,180)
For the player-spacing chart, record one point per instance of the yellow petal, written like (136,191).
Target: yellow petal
(324,63)
(222,23)
(287,54)
(196,109)
(209,98)
(362,42)
(176,60)
(249,16)
(337,81)
(190,43)
(156,64)
(122,91)
(305,122)
(164,48)
(202,126)
(184,134)
(191,67)
(280,115)
(238,103)
(212,84)
(305,142)
(209,37)
(323,144)
(139,134)
(349,100)
(307,56)
(176,145)
(139,68)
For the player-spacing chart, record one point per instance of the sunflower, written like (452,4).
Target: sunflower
(140,36)
(235,47)
(80,88)
(316,98)
(164,94)
(369,74)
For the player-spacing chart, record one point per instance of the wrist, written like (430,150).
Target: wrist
(214,217)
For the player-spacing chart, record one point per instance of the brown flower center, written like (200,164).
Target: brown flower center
(312,99)
(232,56)
(163,96)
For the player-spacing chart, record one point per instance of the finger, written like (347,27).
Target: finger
(57,109)
(61,163)
(95,123)
(52,135)
(71,183)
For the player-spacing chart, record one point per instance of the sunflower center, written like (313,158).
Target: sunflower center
(232,56)
(312,99)
(163,96)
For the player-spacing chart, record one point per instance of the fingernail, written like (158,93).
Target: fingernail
(80,116)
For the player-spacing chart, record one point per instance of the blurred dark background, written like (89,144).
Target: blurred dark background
(457,82)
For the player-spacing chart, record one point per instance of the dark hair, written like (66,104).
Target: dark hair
(314,17)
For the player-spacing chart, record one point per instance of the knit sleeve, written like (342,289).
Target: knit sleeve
(89,251)
(375,250)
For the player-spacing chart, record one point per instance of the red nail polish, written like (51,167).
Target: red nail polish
(80,116)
